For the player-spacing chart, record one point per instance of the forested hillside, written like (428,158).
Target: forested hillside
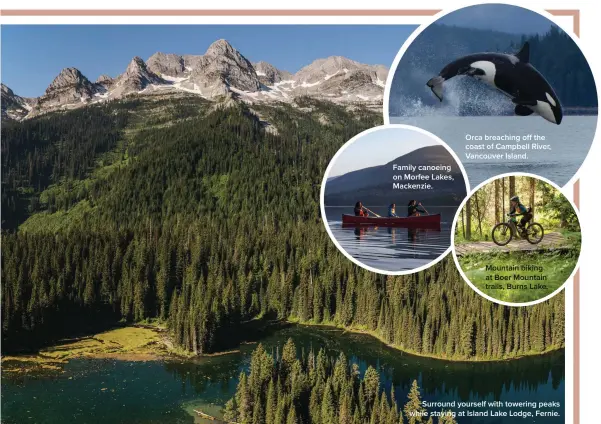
(199,216)
(320,390)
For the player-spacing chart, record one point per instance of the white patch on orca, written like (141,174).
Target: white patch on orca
(551,100)
(544,110)
(513,58)
(489,69)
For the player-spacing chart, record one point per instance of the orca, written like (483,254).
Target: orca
(511,74)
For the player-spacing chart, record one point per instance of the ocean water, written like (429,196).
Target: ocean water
(570,142)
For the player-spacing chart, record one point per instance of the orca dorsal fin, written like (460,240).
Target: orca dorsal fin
(524,54)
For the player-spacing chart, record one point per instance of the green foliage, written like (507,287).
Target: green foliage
(490,205)
(338,395)
(42,151)
(215,221)
(555,266)
(414,411)
(557,209)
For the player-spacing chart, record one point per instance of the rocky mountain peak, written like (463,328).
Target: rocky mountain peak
(6,91)
(222,72)
(136,65)
(220,47)
(104,79)
(222,68)
(68,77)
(327,68)
(137,76)
(14,106)
(70,87)
(222,51)
(269,74)
(166,64)
(340,61)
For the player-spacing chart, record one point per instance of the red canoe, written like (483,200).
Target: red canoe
(413,221)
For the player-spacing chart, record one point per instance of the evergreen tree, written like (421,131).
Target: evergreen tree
(328,408)
(414,411)
(162,230)
(326,404)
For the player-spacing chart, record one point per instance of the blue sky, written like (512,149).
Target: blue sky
(32,55)
(378,148)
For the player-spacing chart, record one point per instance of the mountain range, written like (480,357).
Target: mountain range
(373,185)
(221,72)
(14,106)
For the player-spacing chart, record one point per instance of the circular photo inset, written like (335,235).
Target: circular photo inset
(516,239)
(389,196)
(504,86)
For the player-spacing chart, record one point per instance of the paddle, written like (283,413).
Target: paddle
(424,209)
(372,212)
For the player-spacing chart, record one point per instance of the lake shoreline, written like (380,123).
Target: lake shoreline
(135,343)
(422,355)
(166,392)
(154,344)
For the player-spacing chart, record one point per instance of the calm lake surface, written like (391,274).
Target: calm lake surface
(570,143)
(392,248)
(108,391)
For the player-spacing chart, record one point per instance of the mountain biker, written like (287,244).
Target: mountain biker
(518,209)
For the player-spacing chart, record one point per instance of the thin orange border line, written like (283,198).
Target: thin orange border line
(576,326)
(217,12)
(575,13)
(248,12)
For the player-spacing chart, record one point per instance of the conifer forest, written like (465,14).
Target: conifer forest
(205,218)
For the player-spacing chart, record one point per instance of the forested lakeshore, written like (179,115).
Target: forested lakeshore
(318,389)
(201,217)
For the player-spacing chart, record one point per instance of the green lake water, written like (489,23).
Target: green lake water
(109,391)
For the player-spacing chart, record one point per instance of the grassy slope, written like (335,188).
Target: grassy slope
(135,343)
(556,267)
(153,113)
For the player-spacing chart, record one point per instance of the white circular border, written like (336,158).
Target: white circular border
(436,17)
(456,259)
(323,190)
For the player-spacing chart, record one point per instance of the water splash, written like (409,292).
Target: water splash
(462,97)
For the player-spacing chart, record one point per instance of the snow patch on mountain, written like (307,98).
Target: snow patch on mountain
(220,71)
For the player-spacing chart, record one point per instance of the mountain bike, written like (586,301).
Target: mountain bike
(504,232)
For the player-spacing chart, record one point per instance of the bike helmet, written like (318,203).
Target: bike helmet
(515,199)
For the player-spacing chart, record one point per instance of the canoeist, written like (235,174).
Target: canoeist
(392,210)
(360,210)
(415,208)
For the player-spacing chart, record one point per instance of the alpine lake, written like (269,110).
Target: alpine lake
(165,390)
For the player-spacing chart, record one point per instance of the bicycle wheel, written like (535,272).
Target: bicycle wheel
(502,234)
(535,233)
